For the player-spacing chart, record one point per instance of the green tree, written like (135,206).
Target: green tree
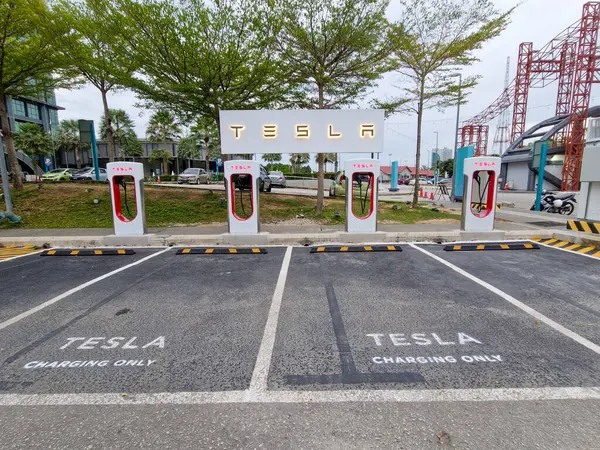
(30,63)
(33,141)
(299,159)
(434,39)
(163,127)
(67,139)
(162,156)
(198,57)
(271,157)
(188,148)
(335,51)
(207,134)
(122,130)
(94,47)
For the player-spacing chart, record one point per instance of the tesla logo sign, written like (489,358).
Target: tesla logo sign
(302,131)
(122,169)
(363,166)
(241,167)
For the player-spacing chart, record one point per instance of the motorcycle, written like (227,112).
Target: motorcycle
(557,204)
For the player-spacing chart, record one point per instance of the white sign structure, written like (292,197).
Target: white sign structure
(361,219)
(120,176)
(302,131)
(481,179)
(241,178)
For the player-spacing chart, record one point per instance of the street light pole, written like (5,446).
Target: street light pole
(459,75)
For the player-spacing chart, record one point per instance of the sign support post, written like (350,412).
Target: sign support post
(539,161)
(4,174)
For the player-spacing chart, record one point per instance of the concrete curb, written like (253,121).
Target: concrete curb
(154,240)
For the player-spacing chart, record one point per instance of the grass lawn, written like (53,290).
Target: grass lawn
(71,205)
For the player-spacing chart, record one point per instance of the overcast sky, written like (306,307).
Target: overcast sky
(536,21)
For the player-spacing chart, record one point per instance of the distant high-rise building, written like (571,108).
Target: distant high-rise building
(445,153)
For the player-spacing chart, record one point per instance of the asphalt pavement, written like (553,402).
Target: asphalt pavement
(418,348)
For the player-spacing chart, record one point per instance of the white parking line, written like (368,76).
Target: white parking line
(258,383)
(52,301)
(522,306)
(340,396)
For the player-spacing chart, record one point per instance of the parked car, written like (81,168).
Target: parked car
(338,186)
(88,174)
(243,181)
(194,176)
(265,183)
(57,175)
(277,178)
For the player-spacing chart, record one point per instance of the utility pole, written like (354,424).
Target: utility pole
(459,75)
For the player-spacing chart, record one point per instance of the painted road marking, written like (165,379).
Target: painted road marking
(586,250)
(19,255)
(573,247)
(532,312)
(368,396)
(549,241)
(11,252)
(573,252)
(562,244)
(50,302)
(258,383)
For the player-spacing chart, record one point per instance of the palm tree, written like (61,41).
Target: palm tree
(271,157)
(33,140)
(123,132)
(163,127)
(67,139)
(299,159)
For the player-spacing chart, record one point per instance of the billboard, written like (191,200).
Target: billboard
(302,131)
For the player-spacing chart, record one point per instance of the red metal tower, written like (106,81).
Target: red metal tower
(565,85)
(522,83)
(586,66)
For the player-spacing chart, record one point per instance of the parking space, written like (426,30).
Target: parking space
(562,285)
(288,323)
(33,279)
(175,323)
(406,321)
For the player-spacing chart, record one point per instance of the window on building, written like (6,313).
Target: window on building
(53,116)
(18,126)
(18,108)
(33,111)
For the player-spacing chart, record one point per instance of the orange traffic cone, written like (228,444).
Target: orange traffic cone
(158,179)
(421,192)
(506,187)
(431,196)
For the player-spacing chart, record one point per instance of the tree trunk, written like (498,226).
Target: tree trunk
(336,162)
(77,159)
(415,201)
(110,137)
(13,162)
(320,168)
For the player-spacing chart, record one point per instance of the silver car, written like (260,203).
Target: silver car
(194,176)
(277,178)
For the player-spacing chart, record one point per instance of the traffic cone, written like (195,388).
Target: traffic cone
(158,179)
(506,187)
(431,196)
(421,192)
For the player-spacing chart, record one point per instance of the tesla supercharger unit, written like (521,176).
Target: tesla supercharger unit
(242,178)
(361,195)
(480,188)
(127,181)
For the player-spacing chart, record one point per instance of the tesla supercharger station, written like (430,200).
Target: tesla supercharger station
(361,195)
(480,188)
(127,181)
(242,178)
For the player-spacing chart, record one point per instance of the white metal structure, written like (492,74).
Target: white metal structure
(589,194)
(127,178)
(481,188)
(361,195)
(242,180)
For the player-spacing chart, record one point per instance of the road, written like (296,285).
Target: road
(413,348)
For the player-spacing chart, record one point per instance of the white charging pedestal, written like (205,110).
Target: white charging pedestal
(361,181)
(242,180)
(481,188)
(127,177)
